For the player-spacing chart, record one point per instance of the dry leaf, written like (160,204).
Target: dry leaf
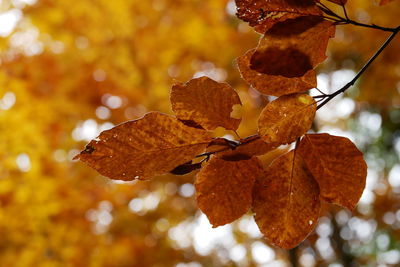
(223,188)
(287,118)
(143,148)
(293,47)
(286,201)
(337,165)
(205,102)
(263,14)
(274,84)
(253,146)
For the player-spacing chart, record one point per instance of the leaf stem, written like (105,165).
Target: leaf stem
(231,145)
(364,68)
(340,20)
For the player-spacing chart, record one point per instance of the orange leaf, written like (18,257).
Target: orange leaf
(274,85)
(337,165)
(293,47)
(286,201)
(223,188)
(143,148)
(253,146)
(287,118)
(205,102)
(263,14)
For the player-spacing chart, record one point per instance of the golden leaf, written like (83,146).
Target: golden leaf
(286,201)
(143,148)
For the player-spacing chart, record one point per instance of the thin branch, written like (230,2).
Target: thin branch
(230,145)
(372,26)
(340,20)
(320,96)
(345,11)
(353,81)
(319,90)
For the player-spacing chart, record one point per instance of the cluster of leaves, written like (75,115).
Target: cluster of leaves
(285,196)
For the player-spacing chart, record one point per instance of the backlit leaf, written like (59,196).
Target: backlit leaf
(224,188)
(286,201)
(143,148)
(286,118)
(253,146)
(263,14)
(337,165)
(275,85)
(206,102)
(293,47)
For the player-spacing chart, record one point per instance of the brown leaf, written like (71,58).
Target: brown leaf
(186,168)
(223,188)
(221,144)
(263,14)
(143,148)
(275,85)
(337,165)
(339,2)
(286,118)
(205,102)
(253,146)
(293,47)
(286,201)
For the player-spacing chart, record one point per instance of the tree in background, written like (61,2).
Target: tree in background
(70,71)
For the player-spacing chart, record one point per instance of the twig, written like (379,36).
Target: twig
(339,20)
(364,68)
(345,11)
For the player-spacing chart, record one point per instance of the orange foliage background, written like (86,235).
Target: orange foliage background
(71,69)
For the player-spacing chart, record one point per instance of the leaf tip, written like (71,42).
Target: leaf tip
(305,99)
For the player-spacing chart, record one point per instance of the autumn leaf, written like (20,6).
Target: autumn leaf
(286,201)
(224,188)
(249,147)
(143,148)
(186,168)
(205,102)
(275,85)
(337,165)
(286,118)
(293,47)
(263,14)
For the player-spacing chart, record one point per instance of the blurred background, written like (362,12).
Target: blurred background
(70,69)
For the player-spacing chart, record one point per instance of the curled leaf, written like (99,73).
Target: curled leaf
(287,118)
(275,85)
(293,47)
(186,168)
(337,165)
(143,148)
(223,188)
(206,103)
(286,201)
(263,14)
